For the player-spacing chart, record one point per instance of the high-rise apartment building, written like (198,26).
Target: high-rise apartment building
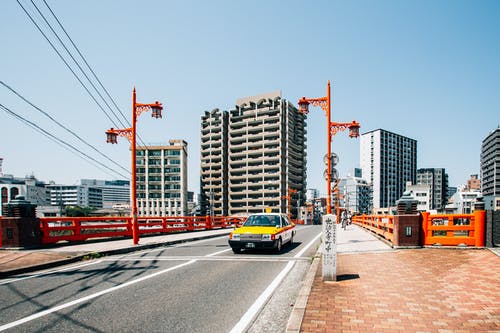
(214,163)
(437,179)
(388,161)
(162,179)
(257,157)
(490,170)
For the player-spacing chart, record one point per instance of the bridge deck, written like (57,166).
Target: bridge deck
(411,290)
(356,239)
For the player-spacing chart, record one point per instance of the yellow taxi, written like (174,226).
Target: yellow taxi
(263,231)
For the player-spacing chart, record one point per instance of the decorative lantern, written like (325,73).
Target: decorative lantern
(303,106)
(111,136)
(354,129)
(156,110)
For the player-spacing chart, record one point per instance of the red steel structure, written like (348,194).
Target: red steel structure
(131,135)
(332,128)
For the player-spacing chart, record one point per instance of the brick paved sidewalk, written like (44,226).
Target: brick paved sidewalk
(421,290)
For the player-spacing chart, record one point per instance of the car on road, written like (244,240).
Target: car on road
(263,231)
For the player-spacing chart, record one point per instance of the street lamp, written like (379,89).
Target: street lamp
(288,197)
(332,128)
(131,134)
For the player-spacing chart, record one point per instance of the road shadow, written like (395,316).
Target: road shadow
(284,250)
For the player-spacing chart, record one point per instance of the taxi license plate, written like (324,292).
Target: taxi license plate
(250,245)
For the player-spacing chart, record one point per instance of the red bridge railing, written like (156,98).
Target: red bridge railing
(454,229)
(55,229)
(443,229)
(381,225)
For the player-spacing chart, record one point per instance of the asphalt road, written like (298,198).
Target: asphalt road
(198,286)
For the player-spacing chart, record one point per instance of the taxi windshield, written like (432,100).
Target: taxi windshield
(262,221)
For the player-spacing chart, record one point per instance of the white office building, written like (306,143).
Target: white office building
(162,179)
(114,192)
(355,195)
(75,195)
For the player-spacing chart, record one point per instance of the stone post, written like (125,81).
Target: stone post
(329,238)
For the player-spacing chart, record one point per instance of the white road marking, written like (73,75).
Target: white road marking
(97,294)
(48,272)
(25,277)
(204,258)
(256,307)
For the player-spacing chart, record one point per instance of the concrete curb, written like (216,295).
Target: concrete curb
(81,256)
(299,308)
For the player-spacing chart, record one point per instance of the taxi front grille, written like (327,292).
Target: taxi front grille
(250,237)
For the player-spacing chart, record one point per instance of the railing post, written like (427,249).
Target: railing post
(479,219)
(425,227)
(208,222)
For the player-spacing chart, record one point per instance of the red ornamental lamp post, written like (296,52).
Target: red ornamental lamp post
(332,128)
(131,135)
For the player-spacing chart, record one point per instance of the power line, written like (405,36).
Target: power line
(76,62)
(86,63)
(78,65)
(59,141)
(67,65)
(62,126)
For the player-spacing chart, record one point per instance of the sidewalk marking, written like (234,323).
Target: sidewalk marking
(257,306)
(97,294)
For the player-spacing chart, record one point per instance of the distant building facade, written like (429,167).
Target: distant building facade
(114,192)
(264,148)
(473,183)
(388,160)
(75,195)
(462,202)
(162,179)
(490,170)
(32,189)
(437,179)
(311,194)
(422,193)
(355,194)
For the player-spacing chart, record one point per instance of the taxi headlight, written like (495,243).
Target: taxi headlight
(235,237)
(266,237)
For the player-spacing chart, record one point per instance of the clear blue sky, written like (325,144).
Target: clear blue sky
(429,70)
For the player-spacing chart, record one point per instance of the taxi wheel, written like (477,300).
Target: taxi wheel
(278,245)
(236,250)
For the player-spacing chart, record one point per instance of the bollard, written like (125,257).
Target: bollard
(479,218)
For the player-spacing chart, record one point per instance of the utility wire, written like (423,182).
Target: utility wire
(76,62)
(86,63)
(66,145)
(66,63)
(62,126)
(78,65)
